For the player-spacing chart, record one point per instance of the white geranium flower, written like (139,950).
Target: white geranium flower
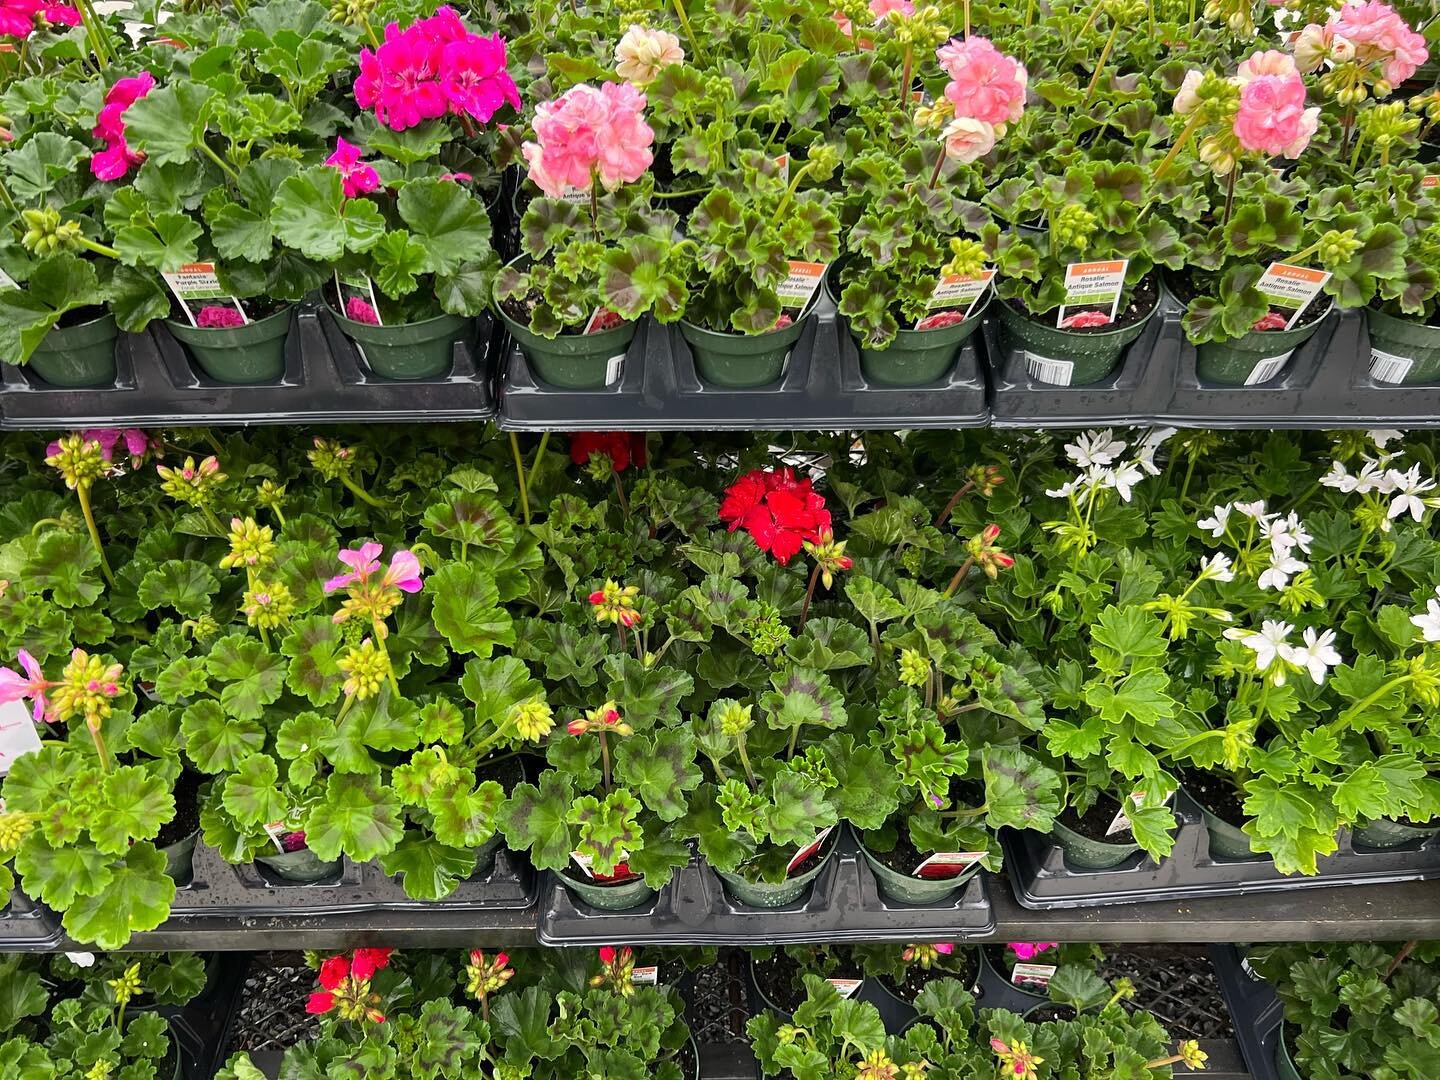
(1095,448)
(1273,636)
(1278,574)
(1409,486)
(1429,622)
(1254,510)
(1338,478)
(1125,476)
(1064,491)
(1317,655)
(1374,477)
(1296,528)
(1145,452)
(1382,436)
(1216,522)
(1217,568)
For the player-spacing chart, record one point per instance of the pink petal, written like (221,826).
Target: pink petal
(336,583)
(30,664)
(13,686)
(404,572)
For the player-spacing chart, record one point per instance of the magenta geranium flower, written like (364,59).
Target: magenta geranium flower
(1028,950)
(403,572)
(32,685)
(588,133)
(138,444)
(361,311)
(218,317)
(21,18)
(117,158)
(358,177)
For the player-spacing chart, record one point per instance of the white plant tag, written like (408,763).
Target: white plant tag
(1388,368)
(1267,369)
(947,864)
(1290,289)
(7,282)
(584,862)
(1033,975)
(1047,369)
(960,290)
(784,162)
(800,284)
(276,830)
(81,959)
(577,196)
(613,367)
(847,987)
(358,287)
(17,734)
(1093,286)
(1121,822)
(645,976)
(195,285)
(808,850)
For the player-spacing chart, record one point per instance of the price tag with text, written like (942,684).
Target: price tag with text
(355,290)
(1033,975)
(1289,289)
(1093,287)
(808,850)
(800,284)
(947,864)
(7,282)
(960,291)
(197,286)
(645,976)
(846,987)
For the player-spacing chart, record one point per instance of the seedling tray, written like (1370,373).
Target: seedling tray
(218,888)
(1326,384)
(1042,879)
(844,904)
(326,380)
(992,990)
(1256,1012)
(822,388)
(26,926)
(202,1026)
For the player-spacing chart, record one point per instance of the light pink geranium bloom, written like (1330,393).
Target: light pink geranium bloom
(985,84)
(1381,35)
(882,9)
(363,561)
(1266,62)
(968,139)
(1186,98)
(643,53)
(32,685)
(586,133)
(403,573)
(1271,117)
(357,177)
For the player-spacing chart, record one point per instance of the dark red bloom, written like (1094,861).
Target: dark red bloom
(333,972)
(620,448)
(780,512)
(369,961)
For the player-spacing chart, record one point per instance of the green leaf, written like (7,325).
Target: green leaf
(312,215)
(497,685)
(661,768)
(35,168)
(428,869)
(58,875)
(357,817)
(534,820)
(1140,696)
(136,899)
(449,223)
(166,245)
(1019,791)
(252,794)
(184,585)
(398,261)
(136,803)
(168,124)
(872,600)
(466,609)
(59,284)
(382,722)
(216,743)
(1130,632)
(314,647)
(62,566)
(254,676)
(466,817)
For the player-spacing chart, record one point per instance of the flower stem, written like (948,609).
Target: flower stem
(907,71)
(93,726)
(745,760)
(941,517)
(1230,194)
(959,576)
(99,249)
(1185,135)
(218,160)
(605,759)
(690,32)
(1100,66)
(520,477)
(361,494)
(83,491)
(539,459)
(809,594)
(620,495)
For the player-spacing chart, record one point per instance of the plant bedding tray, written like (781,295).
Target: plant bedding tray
(218,888)
(326,380)
(26,926)
(1256,1012)
(1043,879)
(1325,384)
(844,904)
(823,388)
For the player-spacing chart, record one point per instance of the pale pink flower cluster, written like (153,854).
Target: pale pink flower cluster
(987,89)
(588,133)
(1272,117)
(116,159)
(435,67)
(883,9)
(358,177)
(21,18)
(1370,33)
(643,53)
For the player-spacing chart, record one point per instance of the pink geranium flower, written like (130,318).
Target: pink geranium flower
(881,9)
(1380,35)
(32,685)
(590,133)
(218,317)
(985,84)
(359,310)
(967,139)
(1271,118)
(1271,320)
(21,18)
(940,320)
(403,573)
(358,178)
(1028,950)
(117,158)
(1083,319)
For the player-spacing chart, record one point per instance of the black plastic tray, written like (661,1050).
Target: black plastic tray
(1255,1011)
(218,888)
(992,990)
(26,926)
(326,380)
(1325,384)
(202,1026)
(844,904)
(822,388)
(1042,879)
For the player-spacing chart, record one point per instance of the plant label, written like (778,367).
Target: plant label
(783,162)
(196,286)
(1290,289)
(578,196)
(800,284)
(808,850)
(1388,368)
(947,864)
(600,320)
(276,831)
(17,734)
(960,290)
(1047,369)
(358,287)
(7,282)
(81,959)
(613,367)
(846,987)
(587,867)
(1267,369)
(1093,286)
(645,976)
(1121,822)
(1033,976)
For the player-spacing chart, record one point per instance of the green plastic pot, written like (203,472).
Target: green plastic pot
(619,897)
(1252,358)
(741,361)
(303,865)
(1410,340)
(573,361)
(409,351)
(908,889)
(774,894)
(180,857)
(915,357)
(78,356)
(1082,851)
(238,355)
(1092,355)
(1285,1067)
(1226,840)
(1388,833)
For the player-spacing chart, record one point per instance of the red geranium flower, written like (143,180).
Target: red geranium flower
(368,961)
(781,513)
(619,447)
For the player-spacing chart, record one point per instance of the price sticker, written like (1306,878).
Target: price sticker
(197,286)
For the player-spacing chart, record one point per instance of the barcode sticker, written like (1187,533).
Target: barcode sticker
(1036,975)
(947,864)
(847,987)
(1389,368)
(645,976)
(1267,369)
(1049,370)
(613,367)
